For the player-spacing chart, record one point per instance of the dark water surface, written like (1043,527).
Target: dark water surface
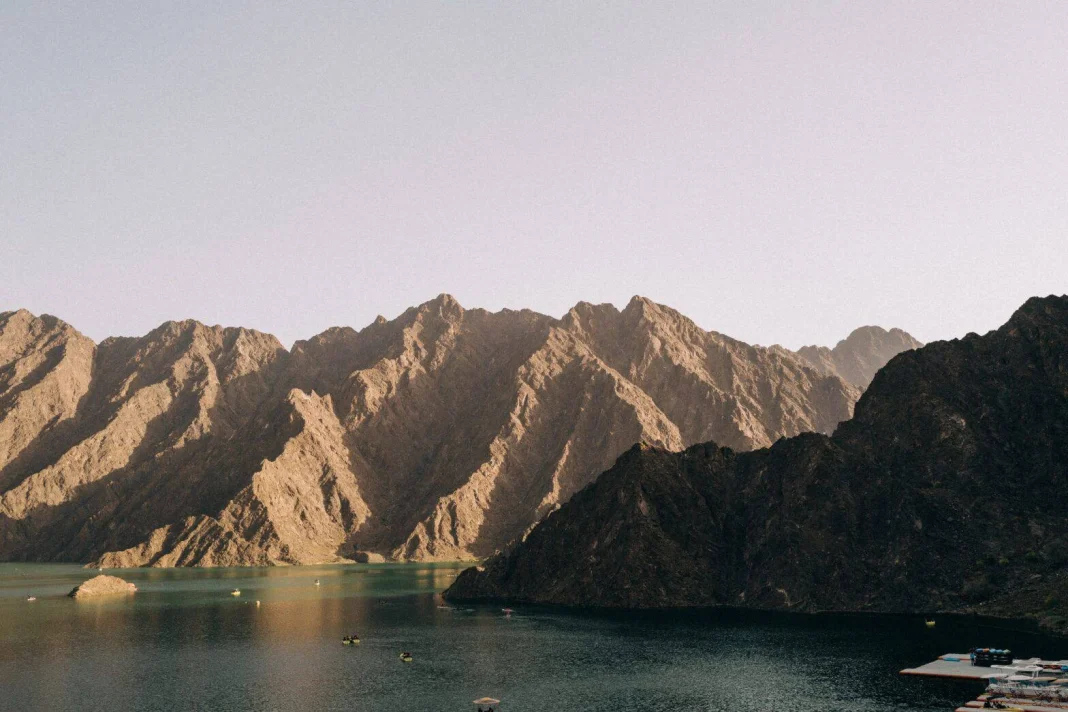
(184,643)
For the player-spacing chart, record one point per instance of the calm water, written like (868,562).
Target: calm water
(183,643)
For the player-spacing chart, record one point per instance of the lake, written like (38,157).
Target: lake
(184,643)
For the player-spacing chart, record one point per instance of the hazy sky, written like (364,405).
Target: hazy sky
(780,172)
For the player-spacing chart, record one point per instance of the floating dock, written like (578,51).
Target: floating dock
(957,666)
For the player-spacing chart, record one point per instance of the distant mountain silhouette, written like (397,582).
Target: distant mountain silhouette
(860,355)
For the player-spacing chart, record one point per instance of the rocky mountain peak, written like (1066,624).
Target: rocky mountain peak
(654,317)
(444,306)
(440,434)
(23,324)
(584,312)
(642,305)
(1039,312)
(860,355)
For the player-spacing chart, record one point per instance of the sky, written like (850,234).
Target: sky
(781,172)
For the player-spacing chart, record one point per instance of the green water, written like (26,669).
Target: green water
(184,643)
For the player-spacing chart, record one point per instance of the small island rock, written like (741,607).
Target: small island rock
(102,585)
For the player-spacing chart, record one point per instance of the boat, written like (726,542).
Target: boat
(31,598)
(236,592)
(929,623)
(1031,684)
(1027,682)
(406,657)
(316,582)
(350,640)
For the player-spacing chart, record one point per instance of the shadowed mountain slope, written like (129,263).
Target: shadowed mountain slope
(948,490)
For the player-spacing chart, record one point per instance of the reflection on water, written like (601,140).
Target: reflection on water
(183,643)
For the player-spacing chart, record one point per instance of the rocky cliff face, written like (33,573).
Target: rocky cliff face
(946,491)
(152,434)
(441,434)
(45,370)
(858,357)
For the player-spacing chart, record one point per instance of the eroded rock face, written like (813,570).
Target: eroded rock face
(103,585)
(441,434)
(45,370)
(949,484)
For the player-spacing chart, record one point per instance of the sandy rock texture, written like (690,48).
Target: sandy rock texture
(442,434)
(103,585)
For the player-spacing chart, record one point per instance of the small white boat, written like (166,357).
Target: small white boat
(316,582)
(1029,681)
(236,592)
(31,598)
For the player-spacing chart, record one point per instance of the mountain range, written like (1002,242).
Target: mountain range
(946,491)
(444,433)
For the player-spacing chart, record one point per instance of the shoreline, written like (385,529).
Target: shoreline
(1010,623)
(1013,624)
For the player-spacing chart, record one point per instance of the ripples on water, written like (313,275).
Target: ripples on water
(183,643)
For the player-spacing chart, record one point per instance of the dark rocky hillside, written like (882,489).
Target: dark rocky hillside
(947,491)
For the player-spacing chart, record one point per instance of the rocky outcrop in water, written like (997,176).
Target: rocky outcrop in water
(947,490)
(103,585)
(441,434)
